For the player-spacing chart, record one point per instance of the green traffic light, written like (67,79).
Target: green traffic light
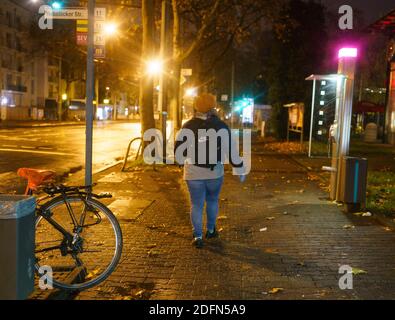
(56,5)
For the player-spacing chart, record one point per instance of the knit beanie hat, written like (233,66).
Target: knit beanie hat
(205,102)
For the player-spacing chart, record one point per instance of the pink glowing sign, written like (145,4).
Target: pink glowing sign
(348,53)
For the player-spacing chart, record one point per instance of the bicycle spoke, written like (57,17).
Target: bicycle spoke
(81,246)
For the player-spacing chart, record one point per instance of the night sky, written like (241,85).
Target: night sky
(372,9)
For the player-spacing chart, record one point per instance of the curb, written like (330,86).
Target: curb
(41,126)
(383,220)
(114,164)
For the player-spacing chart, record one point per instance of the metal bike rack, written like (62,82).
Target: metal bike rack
(125,161)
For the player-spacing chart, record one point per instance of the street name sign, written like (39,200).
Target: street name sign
(186,72)
(74,14)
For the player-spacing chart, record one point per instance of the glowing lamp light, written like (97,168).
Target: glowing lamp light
(106,101)
(56,5)
(191,92)
(110,28)
(154,67)
(4,101)
(348,53)
(64,97)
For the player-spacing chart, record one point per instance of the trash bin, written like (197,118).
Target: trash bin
(353,183)
(17,242)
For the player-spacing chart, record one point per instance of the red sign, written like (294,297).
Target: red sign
(82,38)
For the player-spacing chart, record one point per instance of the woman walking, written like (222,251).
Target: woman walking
(205,180)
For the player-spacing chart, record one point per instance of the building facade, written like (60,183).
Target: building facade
(386,26)
(29,80)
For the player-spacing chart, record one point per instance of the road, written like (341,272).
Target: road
(59,148)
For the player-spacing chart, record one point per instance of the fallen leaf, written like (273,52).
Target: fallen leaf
(140,294)
(263,229)
(275,290)
(91,274)
(387,229)
(271,250)
(153,253)
(348,226)
(357,271)
(270,218)
(222,218)
(367,214)
(151,246)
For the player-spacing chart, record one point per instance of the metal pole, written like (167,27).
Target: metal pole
(60,101)
(90,88)
(232,94)
(312,118)
(162,99)
(347,68)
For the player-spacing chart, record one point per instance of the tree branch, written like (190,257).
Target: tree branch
(205,24)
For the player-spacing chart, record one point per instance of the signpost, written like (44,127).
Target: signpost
(90,88)
(186,72)
(99,37)
(75,14)
(89,23)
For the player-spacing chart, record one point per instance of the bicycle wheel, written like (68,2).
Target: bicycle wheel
(96,247)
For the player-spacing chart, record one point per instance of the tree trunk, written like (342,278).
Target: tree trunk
(174,93)
(174,88)
(146,83)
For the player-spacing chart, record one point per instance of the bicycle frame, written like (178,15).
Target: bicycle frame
(78,226)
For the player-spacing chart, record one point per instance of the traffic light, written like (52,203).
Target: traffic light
(57,5)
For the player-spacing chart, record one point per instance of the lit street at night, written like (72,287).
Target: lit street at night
(197,159)
(60,148)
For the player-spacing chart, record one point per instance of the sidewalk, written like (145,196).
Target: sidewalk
(280,239)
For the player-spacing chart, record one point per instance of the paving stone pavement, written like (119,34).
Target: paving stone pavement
(278,230)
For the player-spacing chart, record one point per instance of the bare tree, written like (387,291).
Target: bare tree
(147,52)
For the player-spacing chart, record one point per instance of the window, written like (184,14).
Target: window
(20,65)
(18,45)
(9,80)
(8,18)
(18,24)
(9,40)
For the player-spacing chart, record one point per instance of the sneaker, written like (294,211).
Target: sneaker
(212,235)
(198,243)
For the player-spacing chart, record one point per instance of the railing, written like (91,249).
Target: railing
(18,88)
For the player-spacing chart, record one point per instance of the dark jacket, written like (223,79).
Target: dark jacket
(212,122)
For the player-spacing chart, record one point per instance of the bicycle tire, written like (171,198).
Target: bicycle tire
(119,242)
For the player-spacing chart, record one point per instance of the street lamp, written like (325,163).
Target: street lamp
(4,101)
(110,28)
(64,96)
(154,67)
(348,53)
(191,92)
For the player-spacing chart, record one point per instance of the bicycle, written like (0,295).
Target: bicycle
(69,222)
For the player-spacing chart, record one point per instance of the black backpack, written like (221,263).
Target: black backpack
(213,122)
